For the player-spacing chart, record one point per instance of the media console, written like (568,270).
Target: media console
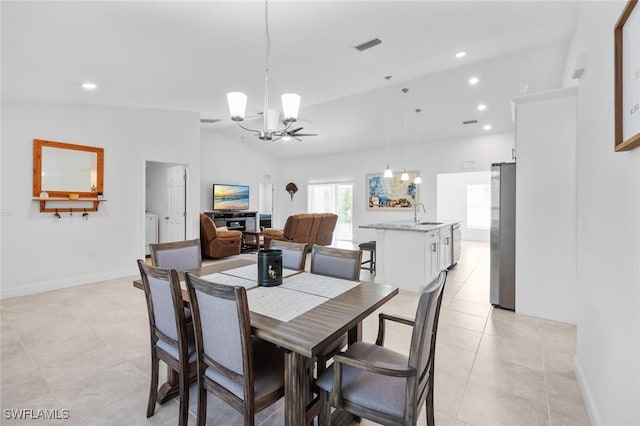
(234,220)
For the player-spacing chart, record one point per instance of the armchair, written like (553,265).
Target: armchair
(218,243)
(382,385)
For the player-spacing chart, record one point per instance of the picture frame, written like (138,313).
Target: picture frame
(627,78)
(391,194)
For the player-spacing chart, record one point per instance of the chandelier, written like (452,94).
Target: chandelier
(270,119)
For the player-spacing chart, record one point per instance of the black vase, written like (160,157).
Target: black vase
(269,267)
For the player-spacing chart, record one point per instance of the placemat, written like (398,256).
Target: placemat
(250,272)
(280,303)
(231,280)
(319,285)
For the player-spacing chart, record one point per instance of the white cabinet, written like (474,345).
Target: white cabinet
(151,231)
(432,258)
(445,248)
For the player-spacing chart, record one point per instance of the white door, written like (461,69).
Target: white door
(176,204)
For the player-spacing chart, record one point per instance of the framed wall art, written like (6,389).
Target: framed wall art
(391,193)
(627,78)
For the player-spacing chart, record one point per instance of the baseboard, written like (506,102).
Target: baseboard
(587,396)
(7,293)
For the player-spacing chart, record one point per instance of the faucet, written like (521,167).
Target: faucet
(415,211)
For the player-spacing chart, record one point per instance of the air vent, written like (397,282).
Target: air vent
(470,122)
(209,120)
(368,44)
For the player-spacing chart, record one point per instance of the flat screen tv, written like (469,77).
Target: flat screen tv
(230,197)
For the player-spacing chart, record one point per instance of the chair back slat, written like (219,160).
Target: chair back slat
(220,330)
(222,322)
(180,255)
(163,309)
(294,255)
(335,262)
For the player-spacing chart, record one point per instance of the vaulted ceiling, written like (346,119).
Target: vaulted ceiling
(184,55)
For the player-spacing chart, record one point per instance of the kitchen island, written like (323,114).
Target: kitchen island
(411,254)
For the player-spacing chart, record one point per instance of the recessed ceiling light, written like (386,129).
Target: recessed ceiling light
(474,80)
(482,107)
(89,86)
(486,127)
(461,54)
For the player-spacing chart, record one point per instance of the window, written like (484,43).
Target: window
(333,198)
(479,206)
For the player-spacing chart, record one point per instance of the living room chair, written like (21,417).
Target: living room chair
(336,262)
(218,243)
(294,255)
(178,255)
(172,340)
(244,371)
(381,385)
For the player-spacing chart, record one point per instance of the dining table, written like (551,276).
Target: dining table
(304,316)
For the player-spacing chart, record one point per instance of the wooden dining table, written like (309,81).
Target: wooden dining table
(305,336)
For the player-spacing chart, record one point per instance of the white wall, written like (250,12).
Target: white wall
(452,200)
(608,235)
(41,252)
(436,157)
(546,205)
(224,160)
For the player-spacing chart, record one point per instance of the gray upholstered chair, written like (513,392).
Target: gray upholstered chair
(294,255)
(171,339)
(244,371)
(336,262)
(179,255)
(376,383)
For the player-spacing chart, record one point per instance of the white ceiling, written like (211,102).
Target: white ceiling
(185,55)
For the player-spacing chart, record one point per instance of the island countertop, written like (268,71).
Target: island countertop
(409,225)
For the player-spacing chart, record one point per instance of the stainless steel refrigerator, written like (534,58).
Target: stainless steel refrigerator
(503,235)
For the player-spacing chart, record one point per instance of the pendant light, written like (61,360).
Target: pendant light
(418,179)
(388,173)
(404,177)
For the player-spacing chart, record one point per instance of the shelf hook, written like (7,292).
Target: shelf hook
(85,215)
(56,214)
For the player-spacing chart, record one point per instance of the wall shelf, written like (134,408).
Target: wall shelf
(65,208)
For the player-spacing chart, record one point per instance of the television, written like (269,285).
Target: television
(230,197)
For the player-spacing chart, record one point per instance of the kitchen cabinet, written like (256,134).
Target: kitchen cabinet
(445,247)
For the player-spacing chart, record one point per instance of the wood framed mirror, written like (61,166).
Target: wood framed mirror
(64,169)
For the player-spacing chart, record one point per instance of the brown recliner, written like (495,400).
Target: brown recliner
(218,243)
(310,228)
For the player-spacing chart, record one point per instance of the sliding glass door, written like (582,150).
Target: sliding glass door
(333,198)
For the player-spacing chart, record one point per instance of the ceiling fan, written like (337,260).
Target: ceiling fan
(288,134)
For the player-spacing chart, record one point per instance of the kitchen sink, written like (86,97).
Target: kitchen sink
(430,223)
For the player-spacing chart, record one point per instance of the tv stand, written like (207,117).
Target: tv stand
(234,220)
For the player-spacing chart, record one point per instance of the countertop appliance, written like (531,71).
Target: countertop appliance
(503,235)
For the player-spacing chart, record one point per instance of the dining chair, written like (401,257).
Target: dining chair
(336,262)
(244,371)
(179,255)
(381,385)
(294,255)
(172,339)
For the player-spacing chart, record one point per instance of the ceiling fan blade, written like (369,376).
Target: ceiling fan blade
(295,130)
(298,138)
(305,134)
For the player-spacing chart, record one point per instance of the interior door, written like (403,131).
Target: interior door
(176,204)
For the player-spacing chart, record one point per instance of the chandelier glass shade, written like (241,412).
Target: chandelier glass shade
(271,118)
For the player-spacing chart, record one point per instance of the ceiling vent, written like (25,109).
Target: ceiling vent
(368,44)
(470,122)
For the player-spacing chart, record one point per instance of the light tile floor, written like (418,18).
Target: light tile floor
(85,349)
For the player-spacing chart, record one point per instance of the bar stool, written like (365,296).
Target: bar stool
(369,246)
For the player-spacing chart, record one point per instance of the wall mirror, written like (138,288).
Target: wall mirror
(61,169)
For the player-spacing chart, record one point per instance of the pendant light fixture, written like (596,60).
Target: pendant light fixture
(418,179)
(388,173)
(404,177)
(270,118)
